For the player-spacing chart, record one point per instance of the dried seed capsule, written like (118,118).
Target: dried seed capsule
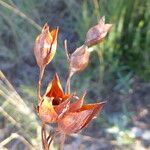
(45,46)
(97,33)
(79,59)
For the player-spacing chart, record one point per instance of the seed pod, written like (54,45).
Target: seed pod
(97,33)
(79,59)
(45,46)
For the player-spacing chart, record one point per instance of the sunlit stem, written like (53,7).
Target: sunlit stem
(40,83)
(66,51)
(51,138)
(68,88)
(42,136)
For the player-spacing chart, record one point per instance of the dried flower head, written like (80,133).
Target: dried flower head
(45,46)
(97,33)
(55,102)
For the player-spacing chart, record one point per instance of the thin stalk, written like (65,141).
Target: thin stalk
(43,128)
(66,51)
(40,83)
(44,139)
(68,88)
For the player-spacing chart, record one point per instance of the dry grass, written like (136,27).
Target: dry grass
(19,115)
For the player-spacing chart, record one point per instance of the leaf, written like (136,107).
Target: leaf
(77,104)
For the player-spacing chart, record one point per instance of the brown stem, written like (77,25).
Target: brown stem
(40,83)
(44,140)
(67,88)
(42,137)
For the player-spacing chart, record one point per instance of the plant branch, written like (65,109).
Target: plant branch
(66,51)
(40,83)
(43,135)
(67,87)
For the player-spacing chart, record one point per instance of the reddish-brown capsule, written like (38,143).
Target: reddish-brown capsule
(45,46)
(97,33)
(79,59)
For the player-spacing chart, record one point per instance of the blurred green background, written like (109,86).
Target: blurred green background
(119,68)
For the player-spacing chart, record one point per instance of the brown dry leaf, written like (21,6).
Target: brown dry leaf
(77,104)
(73,122)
